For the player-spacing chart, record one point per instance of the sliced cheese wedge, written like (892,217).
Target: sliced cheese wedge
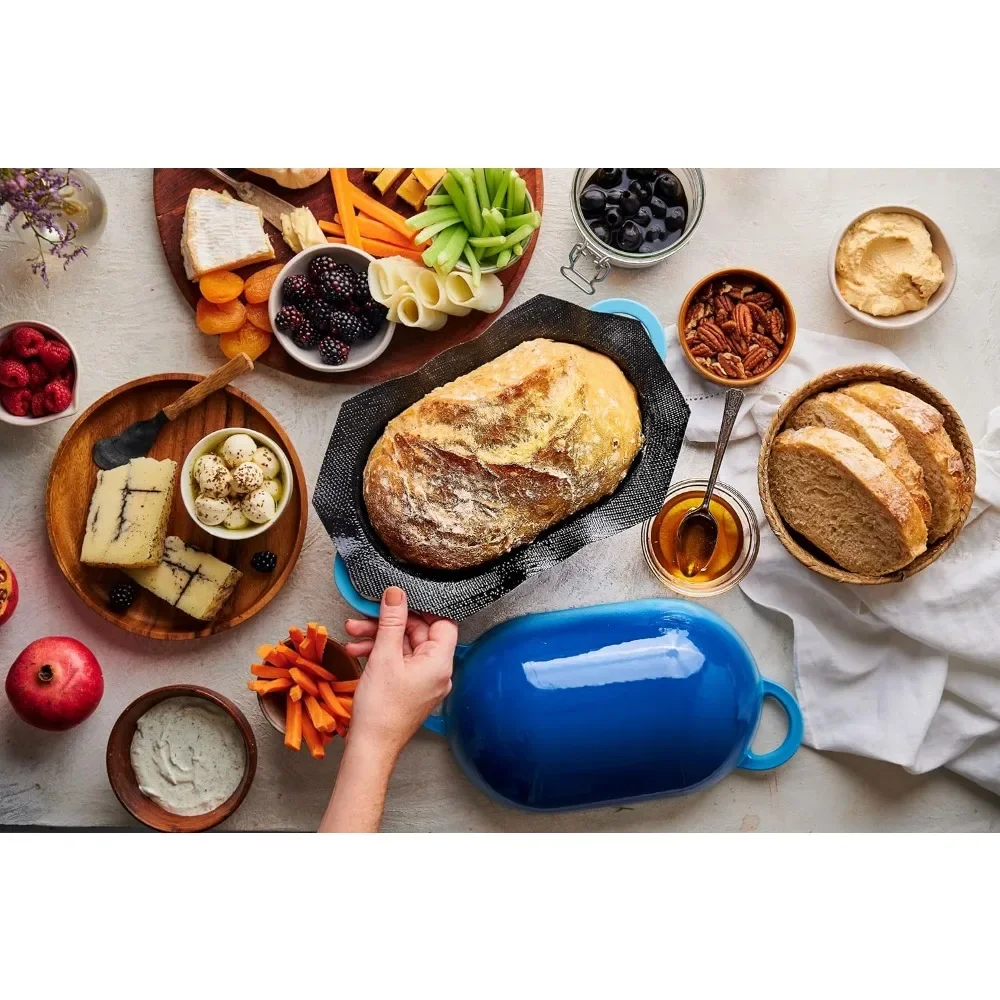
(220,233)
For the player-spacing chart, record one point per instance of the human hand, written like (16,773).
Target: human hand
(408,671)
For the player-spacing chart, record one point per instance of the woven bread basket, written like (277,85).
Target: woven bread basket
(801,549)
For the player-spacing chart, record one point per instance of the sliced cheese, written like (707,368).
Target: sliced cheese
(301,230)
(429,176)
(197,583)
(220,233)
(412,191)
(386,177)
(128,514)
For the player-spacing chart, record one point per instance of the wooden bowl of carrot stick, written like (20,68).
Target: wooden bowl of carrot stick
(305,687)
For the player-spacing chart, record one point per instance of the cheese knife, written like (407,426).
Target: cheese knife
(272,207)
(136,440)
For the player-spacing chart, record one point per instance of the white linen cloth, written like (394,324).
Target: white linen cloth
(908,672)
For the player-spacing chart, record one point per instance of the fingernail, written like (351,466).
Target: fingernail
(393,597)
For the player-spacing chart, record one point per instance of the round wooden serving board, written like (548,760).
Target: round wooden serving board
(410,349)
(73,476)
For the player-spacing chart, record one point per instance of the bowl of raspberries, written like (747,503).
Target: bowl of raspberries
(38,374)
(323,312)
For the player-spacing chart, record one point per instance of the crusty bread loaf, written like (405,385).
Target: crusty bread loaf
(485,463)
(843,413)
(922,428)
(835,492)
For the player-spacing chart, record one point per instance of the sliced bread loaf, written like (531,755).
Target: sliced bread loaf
(842,413)
(835,492)
(922,428)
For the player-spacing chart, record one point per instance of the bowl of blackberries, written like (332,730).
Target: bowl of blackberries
(323,313)
(637,216)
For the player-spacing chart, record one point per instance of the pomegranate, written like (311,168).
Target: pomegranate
(8,591)
(55,683)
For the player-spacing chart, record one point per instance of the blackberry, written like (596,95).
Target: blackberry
(263,562)
(296,289)
(121,597)
(361,290)
(306,336)
(375,314)
(337,286)
(321,265)
(289,319)
(318,312)
(333,351)
(347,327)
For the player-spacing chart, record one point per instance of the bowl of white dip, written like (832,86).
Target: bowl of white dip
(181,758)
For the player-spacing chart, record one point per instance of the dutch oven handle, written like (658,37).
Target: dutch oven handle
(636,310)
(793,739)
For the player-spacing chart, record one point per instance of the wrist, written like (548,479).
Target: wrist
(374,749)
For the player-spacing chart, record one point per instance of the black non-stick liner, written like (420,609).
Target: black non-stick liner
(338,499)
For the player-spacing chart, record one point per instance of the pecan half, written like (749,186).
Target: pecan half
(698,313)
(722,306)
(763,299)
(710,334)
(702,351)
(761,366)
(777,324)
(732,365)
(755,356)
(766,342)
(759,314)
(728,326)
(714,366)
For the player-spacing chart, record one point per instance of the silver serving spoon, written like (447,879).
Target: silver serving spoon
(698,532)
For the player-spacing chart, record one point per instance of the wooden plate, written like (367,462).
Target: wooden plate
(409,348)
(73,476)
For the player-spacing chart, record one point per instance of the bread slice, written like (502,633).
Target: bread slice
(220,233)
(842,413)
(835,492)
(922,428)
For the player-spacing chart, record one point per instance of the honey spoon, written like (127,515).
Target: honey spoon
(698,531)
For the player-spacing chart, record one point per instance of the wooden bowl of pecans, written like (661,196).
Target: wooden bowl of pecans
(736,327)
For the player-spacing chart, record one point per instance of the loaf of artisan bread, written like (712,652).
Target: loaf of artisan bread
(922,427)
(486,463)
(836,493)
(843,413)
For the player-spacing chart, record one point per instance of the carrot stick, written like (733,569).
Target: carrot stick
(321,718)
(269,687)
(305,648)
(370,229)
(281,656)
(312,738)
(324,738)
(266,670)
(295,634)
(341,730)
(304,681)
(332,702)
(262,651)
(295,692)
(314,668)
(293,724)
(343,193)
(366,203)
(319,642)
(379,249)
(344,687)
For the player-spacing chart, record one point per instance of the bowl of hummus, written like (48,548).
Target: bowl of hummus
(181,758)
(891,267)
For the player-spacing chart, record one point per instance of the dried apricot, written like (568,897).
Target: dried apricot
(258,286)
(257,314)
(248,338)
(222,318)
(220,286)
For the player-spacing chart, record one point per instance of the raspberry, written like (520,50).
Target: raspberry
(55,355)
(57,396)
(38,375)
(16,401)
(39,405)
(27,341)
(13,374)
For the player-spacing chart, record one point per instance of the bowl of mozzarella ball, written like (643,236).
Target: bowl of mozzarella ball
(236,483)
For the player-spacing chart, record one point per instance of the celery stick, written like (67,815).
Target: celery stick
(519,196)
(475,213)
(497,216)
(473,265)
(533,219)
(501,191)
(452,250)
(425,234)
(515,237)
(518,249)
(430,255)
(452,182)
(487,241)
(492,179)
(504,259)
(482,191)
(433,200)
(431,216)
(511,191)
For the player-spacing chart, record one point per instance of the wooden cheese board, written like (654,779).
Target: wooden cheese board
(73,476)
(410,349)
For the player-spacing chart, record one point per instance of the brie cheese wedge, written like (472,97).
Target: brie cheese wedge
(194,581)
(221,234)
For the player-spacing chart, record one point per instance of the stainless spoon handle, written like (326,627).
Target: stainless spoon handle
(734,399)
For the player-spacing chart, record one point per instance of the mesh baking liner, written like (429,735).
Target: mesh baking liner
(338,498)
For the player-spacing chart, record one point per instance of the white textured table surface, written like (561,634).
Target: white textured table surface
(127,319)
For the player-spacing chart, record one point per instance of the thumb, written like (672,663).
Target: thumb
(392,616)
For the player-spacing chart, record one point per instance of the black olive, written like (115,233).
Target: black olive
(668,188)
(630,237)
(608,177)
(655,233)
(601,232)
(675,218)
(643,191)
(592,201)
(644,216)
(641,173)
(658,206)
(613,217)
(614,197)
(630,203)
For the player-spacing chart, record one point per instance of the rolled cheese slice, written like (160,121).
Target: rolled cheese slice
(488,297)
(428,286)
(410,311)
(388,275)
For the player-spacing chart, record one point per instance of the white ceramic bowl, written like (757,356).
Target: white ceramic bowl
(949,264)
(363,352)
(50,331)
(209,443)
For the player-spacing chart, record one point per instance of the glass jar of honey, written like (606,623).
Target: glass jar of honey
(735,550)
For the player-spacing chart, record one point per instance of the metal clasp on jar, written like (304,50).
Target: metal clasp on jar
(601,268)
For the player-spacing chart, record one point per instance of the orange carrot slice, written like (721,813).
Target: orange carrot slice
(314,668)
(305,648)
(366,203)
(281,656)
(267,671)
(269,687)
(296,635)
(312,739)
(324,738)
(343,193)
(321,718)
(343,687)
(295,692)
(377,248)
(370,229)
(304,681)
(293,724)
(332,702)
(262,651)
(319,642)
